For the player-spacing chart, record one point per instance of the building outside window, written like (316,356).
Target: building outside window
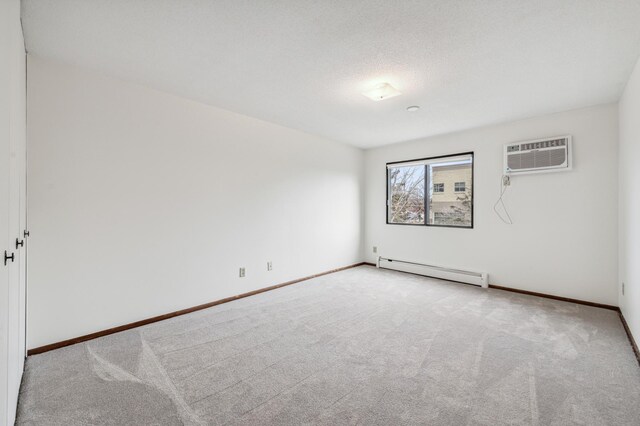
(433,191)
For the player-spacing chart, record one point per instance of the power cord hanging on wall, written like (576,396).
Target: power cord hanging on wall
(506,218)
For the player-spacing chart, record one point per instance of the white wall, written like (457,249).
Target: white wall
(629,110)
(143,203)
(564,237)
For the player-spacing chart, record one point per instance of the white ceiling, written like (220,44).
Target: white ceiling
(303,64)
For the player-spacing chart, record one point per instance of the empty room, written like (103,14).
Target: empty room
(290,212)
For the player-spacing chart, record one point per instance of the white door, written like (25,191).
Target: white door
(17,132)
(5,112)
(13,294)
(12,192)
(22,228)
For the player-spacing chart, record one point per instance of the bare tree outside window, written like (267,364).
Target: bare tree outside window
(406,194)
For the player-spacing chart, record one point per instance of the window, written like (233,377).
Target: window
(417,191)
(406,194)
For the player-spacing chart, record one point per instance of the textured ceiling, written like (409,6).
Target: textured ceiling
(303,64)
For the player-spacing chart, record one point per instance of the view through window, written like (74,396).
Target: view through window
(406,194)
(431,191)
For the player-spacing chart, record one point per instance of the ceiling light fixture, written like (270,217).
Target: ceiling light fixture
(382,91)
(413,108)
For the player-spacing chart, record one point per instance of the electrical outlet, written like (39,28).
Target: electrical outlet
(269,266)
(375,249)
(241,272)
(623,289)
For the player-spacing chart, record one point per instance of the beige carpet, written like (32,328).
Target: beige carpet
(362,346)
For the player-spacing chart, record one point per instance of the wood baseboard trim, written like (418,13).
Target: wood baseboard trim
(550,296)
(135,324)
(632,341)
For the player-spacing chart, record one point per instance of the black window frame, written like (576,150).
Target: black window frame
(464,187)
(426,197)
(434,187)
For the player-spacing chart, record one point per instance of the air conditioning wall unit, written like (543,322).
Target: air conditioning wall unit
(538,156)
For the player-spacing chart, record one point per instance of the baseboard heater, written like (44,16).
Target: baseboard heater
(476,278)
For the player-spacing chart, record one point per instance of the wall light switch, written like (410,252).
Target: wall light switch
(241,272)
(375,249)
(269,266)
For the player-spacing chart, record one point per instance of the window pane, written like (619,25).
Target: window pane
(450,194)
(444,184)
(406,194)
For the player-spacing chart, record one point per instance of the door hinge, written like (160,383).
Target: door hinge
(25,233)
(7,257)
(19,243)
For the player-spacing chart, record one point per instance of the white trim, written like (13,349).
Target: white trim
(454,160)
(480,279)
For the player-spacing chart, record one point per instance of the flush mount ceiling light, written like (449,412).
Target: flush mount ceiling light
(382,91)
(413,108)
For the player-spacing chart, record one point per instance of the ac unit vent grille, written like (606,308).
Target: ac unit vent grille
(540,155)
(557,157)
(544,144)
